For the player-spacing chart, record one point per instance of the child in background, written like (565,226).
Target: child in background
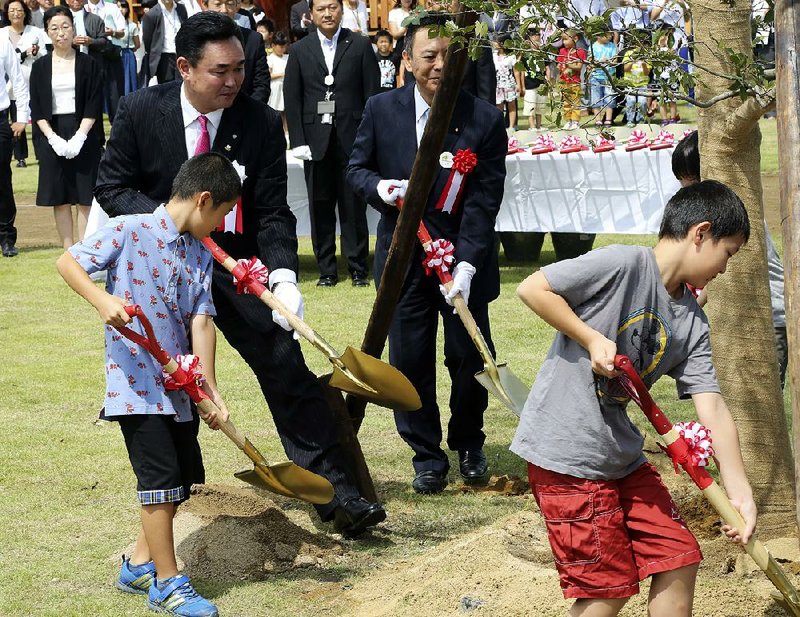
(637,73)
(157,261)
(570,62)
(602,97)
(686,168)
(533,79)
(266,28)
(667,104)
(277,69)
(388,61)
(610,519)
(508,88)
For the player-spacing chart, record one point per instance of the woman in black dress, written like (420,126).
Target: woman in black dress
(66,108)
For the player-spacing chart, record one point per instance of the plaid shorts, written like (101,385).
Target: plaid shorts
(607,535)
(165,456)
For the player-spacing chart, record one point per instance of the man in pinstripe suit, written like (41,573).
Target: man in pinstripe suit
(153,133)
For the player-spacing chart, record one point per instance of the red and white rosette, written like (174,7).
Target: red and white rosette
(571,143)
(604,145)
(663,140)
(698,438)
(637,141)
(513,146)
(543,144)
(464,163)
(686,133)
(439,256)
(192,369)
(254,271)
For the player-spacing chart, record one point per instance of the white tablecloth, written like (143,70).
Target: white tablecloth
(613,192)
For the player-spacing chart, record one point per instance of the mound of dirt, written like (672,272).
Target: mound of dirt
(227,533)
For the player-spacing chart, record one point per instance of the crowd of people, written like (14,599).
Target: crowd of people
(201,152)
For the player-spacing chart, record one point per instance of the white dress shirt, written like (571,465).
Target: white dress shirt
(329,47)
(80,28)
(172,23)
(421,112)
(355,19)
(191,125)
(13,72)
(109,13)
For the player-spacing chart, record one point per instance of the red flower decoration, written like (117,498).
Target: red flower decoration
(191,367)
(439,256)
(465,161)
(254,271)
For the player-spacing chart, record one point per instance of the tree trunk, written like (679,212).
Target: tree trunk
(739,302)
(787,26)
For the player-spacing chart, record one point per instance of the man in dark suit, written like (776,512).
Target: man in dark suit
(256,82)
(90,31)
(383,155)
(300,20)
(160,26)
(156,129)
(329,77)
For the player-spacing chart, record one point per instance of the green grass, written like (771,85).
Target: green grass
(66,490)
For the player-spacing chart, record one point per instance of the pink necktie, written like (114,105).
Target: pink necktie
(204,142)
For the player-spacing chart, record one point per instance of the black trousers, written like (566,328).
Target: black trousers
(304,421)
(167,70)
(113,84)
(21,142)
(8,207)
(326,185)
(412,349)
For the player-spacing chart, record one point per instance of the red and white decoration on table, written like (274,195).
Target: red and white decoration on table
(464,163)
(513,146)
(604,145)
(664,139)
(571,143)
(698,437)
(192,369)
(439,256)
(254,271)
(637,141)
(543,144)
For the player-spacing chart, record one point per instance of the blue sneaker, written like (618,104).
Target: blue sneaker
(136,579)
(178,597)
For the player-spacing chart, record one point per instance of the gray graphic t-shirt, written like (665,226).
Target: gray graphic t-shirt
(575,422)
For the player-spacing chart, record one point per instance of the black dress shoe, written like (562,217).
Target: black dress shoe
(9,250)
(360,280)
(429,482)
(21,163)
(472,464)
(327,280)
(356,515)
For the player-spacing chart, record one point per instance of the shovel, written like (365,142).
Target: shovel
(353,371)
(677,449)
(285,479)
(496,378)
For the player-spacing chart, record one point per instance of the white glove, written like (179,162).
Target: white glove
(301,152)
(75,144)
(292,299)
(58,144)
(462,279)
(392,190)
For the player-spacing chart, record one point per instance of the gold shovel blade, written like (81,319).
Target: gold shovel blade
(391,388)
(289,480)
(505,386)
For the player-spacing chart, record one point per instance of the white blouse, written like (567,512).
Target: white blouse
(63,85)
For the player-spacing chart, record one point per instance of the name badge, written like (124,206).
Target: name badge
(446,160)
(326,107)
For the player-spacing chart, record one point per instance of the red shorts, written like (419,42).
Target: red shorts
(607,535)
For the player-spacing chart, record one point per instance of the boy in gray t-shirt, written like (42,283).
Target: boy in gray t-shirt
(610,520)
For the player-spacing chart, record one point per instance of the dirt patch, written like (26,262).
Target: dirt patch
(226,533)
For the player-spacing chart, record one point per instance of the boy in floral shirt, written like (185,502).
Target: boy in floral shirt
(157,261)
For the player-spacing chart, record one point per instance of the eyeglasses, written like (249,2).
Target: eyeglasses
(64,28)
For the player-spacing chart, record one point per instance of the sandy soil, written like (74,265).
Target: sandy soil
(232,533)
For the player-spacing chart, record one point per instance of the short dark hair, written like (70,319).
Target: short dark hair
(267,23)
(210,172)
(710,201)
(202,28)
(383,33)
(311,3)
(280,38)
(427,21)
(686,158)
(55,11)
(25,9)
